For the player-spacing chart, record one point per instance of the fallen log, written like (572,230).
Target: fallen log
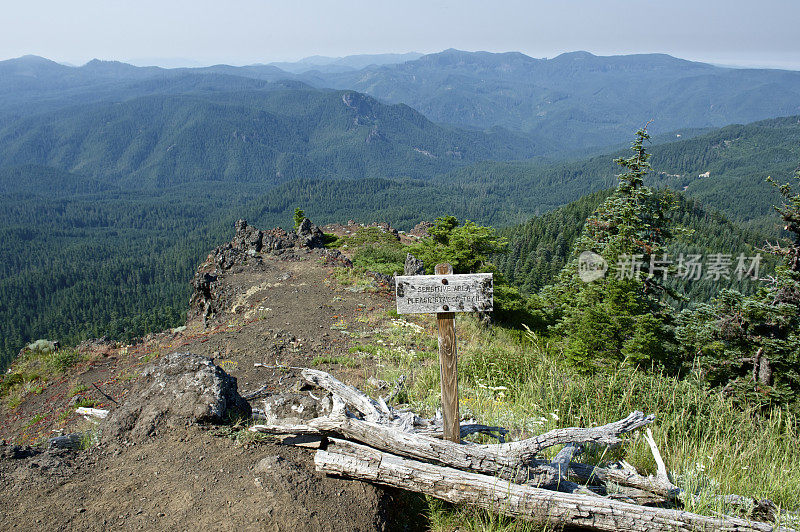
(508,460)
(402,437)
(360,462)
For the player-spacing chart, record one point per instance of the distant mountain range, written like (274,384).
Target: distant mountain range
(268,135)
(577,98)
(344,64)
(572,102)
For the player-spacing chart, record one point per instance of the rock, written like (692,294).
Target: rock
(204,298)
(72,441)
(413,266)
(180,389)
(247,238)
(309,235)
(335,257)
(421,229)
(383,279)
(227,256)
(277,240)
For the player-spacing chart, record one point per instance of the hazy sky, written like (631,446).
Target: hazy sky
(742,32)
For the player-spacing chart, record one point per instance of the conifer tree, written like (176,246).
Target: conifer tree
(605,319)
(299,215)
(751,345)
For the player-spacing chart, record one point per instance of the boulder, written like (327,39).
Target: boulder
(309,235)
(180,389)
(413,266)
(247,238)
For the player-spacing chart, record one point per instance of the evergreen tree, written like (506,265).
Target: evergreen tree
(299,215)
(467,247)
(605,319)
(751,345)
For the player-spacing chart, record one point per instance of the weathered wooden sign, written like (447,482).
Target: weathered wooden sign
(444,294)
(425,294)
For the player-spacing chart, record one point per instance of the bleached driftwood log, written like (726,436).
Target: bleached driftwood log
(509,460)
(353,460)
(398,448)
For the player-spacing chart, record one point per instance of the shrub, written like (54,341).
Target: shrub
(382,258)
(63,359)
(466,247)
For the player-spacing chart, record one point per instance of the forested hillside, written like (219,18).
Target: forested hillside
(115,179)
(93,265)
(737,160)
(576,98)
(266,137)
(141,237)
(539,249)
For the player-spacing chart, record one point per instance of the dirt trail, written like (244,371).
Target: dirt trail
(284,311)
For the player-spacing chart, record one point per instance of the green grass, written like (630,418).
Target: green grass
(63,359)
(341,360)
(387,259)
(34,420)
(85,403)
(514,379)
(79,388)
(37,364)
(352,279)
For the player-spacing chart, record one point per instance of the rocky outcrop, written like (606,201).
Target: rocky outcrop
(180,389)
(246,237)
(277,240)
(309,235)
(247,248)
(248,241)
(421,230)
(206,299)
(413,266)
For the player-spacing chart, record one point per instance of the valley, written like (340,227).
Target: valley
(117,181)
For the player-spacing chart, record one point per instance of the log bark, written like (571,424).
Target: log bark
(508,460)
(351,396)
(356,461)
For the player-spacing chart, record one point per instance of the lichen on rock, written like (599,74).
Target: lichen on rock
(180,389)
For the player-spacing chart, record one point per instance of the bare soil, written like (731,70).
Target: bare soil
(282,312)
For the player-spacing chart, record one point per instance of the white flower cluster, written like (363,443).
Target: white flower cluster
(407,324)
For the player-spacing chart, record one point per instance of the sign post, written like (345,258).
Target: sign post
(445,294)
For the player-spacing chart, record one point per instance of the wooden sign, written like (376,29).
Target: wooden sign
(445,294)
(428,294)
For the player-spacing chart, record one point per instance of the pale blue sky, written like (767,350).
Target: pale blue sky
(741,32)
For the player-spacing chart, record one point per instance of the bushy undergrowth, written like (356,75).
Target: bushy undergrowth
(374,249)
